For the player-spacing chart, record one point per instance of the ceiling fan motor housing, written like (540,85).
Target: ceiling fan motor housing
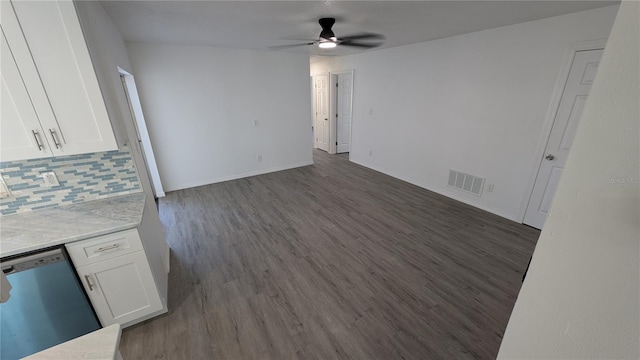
(327,33)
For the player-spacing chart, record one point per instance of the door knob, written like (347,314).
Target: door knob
(550,157)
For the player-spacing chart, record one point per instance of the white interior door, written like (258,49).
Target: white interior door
(583,71)
(344,96)
(322,111)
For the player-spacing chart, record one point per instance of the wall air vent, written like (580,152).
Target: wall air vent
(465,182)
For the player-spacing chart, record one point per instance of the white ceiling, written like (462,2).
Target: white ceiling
(259,24)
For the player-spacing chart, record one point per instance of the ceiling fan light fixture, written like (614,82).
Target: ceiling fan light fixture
(327,44)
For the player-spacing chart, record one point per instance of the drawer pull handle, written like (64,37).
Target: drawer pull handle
(110,247)
(55,141)
(35,136)
(89,283)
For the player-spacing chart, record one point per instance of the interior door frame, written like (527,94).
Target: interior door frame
(333,107)
(333,122)
(558,90)
(139,123)
(312,90)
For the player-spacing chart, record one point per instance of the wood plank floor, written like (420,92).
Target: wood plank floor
(332,261)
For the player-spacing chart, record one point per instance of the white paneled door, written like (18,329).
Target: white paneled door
(321,93)
(583,71)
(343,112)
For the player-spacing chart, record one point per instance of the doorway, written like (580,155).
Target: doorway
(332,99)
(142,134)
(583,69)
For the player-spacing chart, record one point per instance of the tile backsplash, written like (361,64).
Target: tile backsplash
(82,178)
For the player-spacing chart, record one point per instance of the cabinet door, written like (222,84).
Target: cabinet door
(21,136)
(56,41)
(121,289)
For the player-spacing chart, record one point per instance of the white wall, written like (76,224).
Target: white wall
(108,52)
(581,297)
(201,103)
(476,103)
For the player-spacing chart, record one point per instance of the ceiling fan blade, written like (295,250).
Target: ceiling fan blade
(360,45)
(281,47)
(299,39)
(362,36)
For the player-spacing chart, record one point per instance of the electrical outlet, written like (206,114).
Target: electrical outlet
(259,157)
(4,189)
(255,123)
(370,152)
(50,179)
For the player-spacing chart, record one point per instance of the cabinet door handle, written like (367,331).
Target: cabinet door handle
(89,283)
(35,136)
(110,247)
(55,141)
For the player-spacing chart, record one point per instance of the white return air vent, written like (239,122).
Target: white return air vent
(465,182)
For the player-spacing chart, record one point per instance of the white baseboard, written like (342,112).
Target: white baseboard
(506,215)
(238,176)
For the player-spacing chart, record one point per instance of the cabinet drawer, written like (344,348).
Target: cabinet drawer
(104,247)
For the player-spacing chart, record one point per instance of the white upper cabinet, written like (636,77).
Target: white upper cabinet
(21,135)
(46,40)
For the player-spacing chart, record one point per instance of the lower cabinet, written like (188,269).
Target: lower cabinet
(117,278)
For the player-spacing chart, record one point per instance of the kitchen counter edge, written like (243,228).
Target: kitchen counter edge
(36,230)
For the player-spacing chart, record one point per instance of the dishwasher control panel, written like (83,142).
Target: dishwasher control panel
(31,261)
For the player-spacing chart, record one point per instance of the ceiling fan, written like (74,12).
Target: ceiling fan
(328,39)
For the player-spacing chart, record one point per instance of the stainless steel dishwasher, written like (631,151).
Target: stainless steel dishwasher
(47,305)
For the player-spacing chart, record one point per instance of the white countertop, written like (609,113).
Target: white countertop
(98,345)
(34,230)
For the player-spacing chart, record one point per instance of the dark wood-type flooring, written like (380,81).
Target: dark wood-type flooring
(332,261)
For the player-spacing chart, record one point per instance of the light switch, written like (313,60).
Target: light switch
(50,179)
